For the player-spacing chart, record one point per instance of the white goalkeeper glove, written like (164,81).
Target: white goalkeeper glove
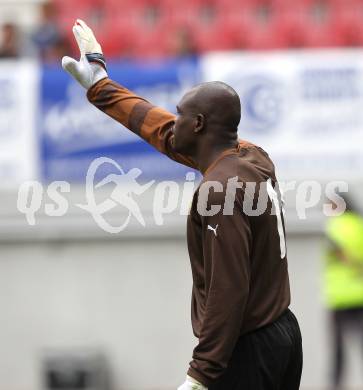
(192,384)
(92,65)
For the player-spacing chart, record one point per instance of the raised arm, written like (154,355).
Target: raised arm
(151,123)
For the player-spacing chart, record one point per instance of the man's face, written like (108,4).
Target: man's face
(184,128)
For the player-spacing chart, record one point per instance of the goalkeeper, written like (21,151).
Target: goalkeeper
(248,339)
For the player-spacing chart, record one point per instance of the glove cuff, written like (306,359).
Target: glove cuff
(99,73)
(98,58)
(195,382)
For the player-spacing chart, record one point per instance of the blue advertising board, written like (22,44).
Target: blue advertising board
(73,132)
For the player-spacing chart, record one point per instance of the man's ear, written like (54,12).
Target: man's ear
(200,121)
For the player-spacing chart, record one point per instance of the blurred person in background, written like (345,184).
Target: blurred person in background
(9,41)
(183,44)
(247,336)
(47,38)
(343,283)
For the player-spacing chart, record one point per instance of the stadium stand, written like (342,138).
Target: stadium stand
(155,28)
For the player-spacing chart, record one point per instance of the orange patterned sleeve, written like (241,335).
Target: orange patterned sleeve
(151,123)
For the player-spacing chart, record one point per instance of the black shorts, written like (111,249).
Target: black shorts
(269,358)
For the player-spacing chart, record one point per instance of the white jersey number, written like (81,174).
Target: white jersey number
(279,210)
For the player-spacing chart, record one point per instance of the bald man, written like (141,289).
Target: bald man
(248,339)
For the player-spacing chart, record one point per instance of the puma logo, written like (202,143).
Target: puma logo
(214,230)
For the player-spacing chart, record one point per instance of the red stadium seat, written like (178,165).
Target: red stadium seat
(351,21)
(315,23)
(151,27)
(261,24)
(142,22)
(206,20)
(68,11)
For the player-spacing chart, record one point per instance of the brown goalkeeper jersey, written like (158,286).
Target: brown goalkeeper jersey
(237,253)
